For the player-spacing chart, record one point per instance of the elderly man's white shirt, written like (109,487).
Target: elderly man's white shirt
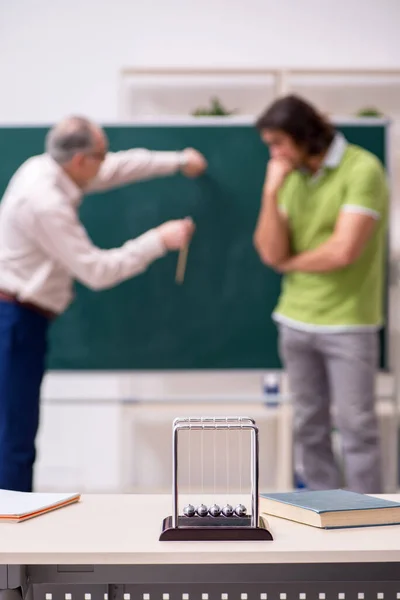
(43,245)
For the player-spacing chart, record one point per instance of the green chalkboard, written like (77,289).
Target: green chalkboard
(221,316)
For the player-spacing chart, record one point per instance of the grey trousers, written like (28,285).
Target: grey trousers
(334,369)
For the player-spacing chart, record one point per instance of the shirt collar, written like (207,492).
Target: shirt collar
(332,158)
(335,152)
(69,187)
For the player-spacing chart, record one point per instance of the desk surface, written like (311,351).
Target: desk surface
(124,529)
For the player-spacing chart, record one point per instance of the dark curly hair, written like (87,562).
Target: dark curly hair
(301,121)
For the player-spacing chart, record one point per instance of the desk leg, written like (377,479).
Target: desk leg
(14,583)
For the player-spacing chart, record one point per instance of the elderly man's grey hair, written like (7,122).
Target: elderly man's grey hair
(70,136)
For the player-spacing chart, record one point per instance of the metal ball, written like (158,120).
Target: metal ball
(202,510)
(227,511)
(240,510)
(215,510)
(189,511)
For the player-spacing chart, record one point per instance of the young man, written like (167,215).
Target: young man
(44,247)
(322,224)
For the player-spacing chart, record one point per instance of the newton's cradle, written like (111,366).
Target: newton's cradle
(215,522)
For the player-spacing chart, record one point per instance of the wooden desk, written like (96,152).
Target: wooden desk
(106,548)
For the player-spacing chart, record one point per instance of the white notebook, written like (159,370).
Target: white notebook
(19,506)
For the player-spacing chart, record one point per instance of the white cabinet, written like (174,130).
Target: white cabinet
(93,439)
(78,447)
(126,447)
(208,459)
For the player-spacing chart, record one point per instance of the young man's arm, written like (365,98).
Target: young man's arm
(364,205)
(345,246)
(271,237)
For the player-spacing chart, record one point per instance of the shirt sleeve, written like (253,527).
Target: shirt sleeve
(120,168)
(366,191)
(61,236)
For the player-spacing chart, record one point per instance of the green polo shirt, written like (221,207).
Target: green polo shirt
(351,298)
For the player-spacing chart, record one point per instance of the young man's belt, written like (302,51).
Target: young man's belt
(48,314)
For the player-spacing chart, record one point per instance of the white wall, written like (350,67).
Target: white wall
(61,57)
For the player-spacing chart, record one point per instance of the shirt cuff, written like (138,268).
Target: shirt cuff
(171,161)
(183,159)
(362,210)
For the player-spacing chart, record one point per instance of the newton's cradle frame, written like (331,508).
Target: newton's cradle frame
(215,522)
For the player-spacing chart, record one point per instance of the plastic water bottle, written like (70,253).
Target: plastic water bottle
(298,481)
(271,389)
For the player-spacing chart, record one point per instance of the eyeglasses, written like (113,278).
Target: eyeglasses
(98,155)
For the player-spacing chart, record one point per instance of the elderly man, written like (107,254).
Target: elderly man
(44,247)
